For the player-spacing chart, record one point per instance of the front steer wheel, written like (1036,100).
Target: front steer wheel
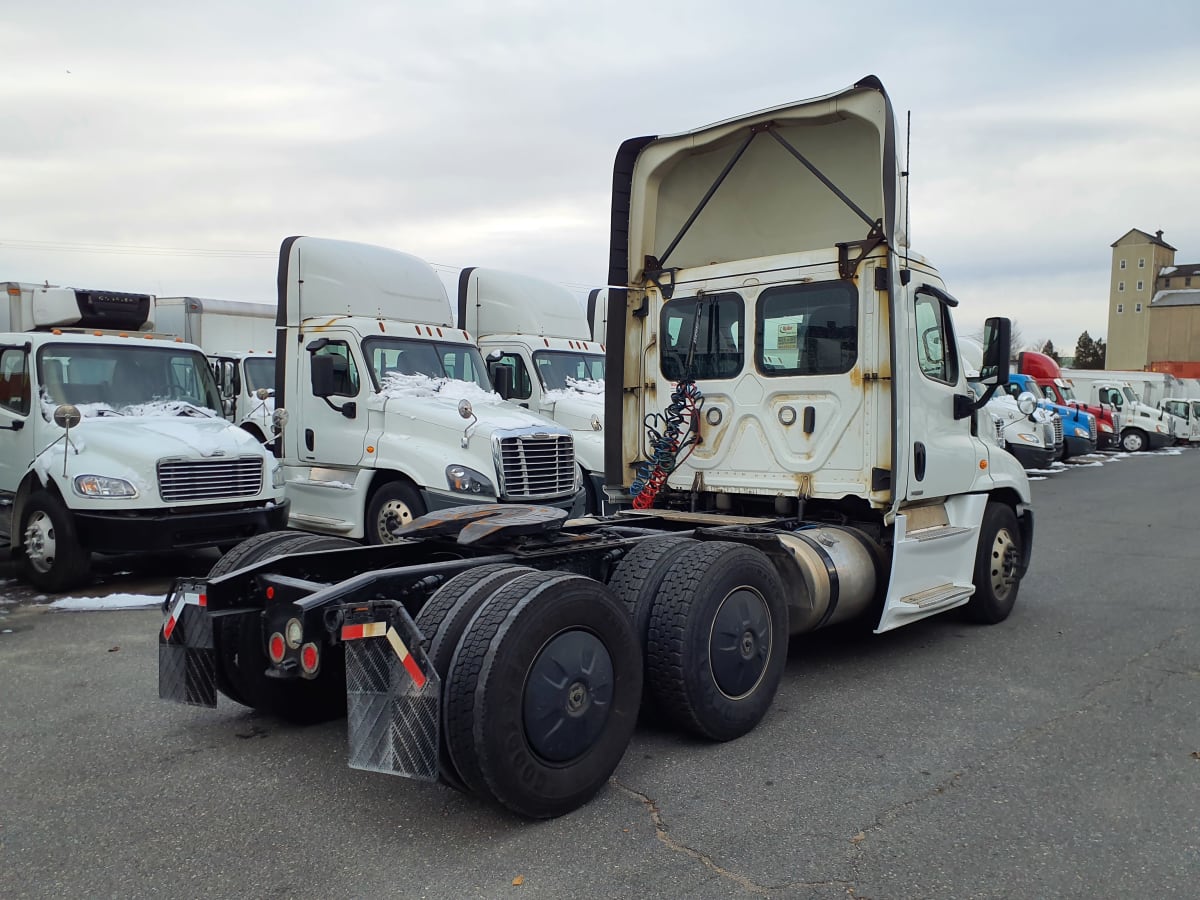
(997,561)
(54,561)
(1133,440)
(543,694)
(393,504)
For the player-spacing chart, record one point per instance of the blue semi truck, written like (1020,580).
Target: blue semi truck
(1079,426)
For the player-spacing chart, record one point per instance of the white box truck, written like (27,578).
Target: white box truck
(540,354)
(239,338)
(111,439)
(391,413)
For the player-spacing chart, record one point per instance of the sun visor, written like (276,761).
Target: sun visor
(798,177)
(491,301)
(322,277)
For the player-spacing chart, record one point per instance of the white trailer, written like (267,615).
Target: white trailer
(540,355)
(111,439)
(239,337)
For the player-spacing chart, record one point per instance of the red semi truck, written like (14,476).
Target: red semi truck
(1045,371)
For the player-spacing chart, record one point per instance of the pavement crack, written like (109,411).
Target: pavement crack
(661,831)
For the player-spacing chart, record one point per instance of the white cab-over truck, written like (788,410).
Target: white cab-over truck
(239,338)
(789,419)
(390,411)
(144,462)
(540,355)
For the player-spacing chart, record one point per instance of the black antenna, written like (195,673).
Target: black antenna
(907,184)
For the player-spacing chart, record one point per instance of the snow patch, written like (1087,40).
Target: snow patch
(397,385)
(112,601)
(588,390)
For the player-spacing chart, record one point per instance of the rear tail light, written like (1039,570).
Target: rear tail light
(310,658)
(276,648)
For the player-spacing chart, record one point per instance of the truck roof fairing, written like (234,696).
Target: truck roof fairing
(802,176)
(329,277)
(492,301)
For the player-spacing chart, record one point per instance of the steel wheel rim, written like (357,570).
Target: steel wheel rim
(1133,442)
(393,510)
(740,643)
(40,545)
(1002,563)
(568,696)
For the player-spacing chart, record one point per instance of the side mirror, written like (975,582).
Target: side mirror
(1027,403)
(997,347)
(322,375)
(502,381)
(495,356)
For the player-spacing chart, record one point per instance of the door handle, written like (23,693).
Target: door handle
(919,461)
(308,438)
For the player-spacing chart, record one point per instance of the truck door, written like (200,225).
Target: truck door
(945,455)
(16,429)
(333,391)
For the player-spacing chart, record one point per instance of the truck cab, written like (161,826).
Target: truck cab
(540,355)
(1142,427)
(111,439)
(1079,427)
(391,413)
(1188,412)
(1046,373)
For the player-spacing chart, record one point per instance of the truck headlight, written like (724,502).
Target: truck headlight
(1029,438)
(1104,426)
(101,486)
(467,481)
(1082,432)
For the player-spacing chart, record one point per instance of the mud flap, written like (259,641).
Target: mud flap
(186,659)
(393,695)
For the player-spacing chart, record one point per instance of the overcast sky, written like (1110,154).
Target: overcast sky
(170,147)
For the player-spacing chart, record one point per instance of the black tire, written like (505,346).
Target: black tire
(251,550)
(444,618)
(1133,440)
(718,689)
(240,646)
(393,501)
(51,555)
(636,581)
(543,694)
(996,560)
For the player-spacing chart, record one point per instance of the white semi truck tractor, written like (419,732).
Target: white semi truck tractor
(791,438)
(540,355)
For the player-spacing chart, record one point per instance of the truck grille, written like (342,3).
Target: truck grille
(1091,426)
(210,479)
(1058,437)
(534,466)
(999,423)
(1047,434)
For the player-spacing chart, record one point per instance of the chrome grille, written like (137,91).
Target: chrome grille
(1047,434)
(999,423)
(210,479)
(1091,426)
(535,466)
(1058,436)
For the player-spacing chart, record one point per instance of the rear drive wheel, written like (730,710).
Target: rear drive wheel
(1133,440)
(54,561)
(543,693)
(996,561)
(444,618)
(393,504)
(717,640)
(636,581)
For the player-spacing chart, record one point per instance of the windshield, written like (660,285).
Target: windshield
(1196,408)
(131,380)
(260,373)
(390,357)
(560,369)
(1129,394)
(1068,393)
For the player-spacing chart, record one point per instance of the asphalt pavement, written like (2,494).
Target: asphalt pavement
(1054,755)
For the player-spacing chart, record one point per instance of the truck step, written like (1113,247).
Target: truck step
(942,595)
(937,531)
